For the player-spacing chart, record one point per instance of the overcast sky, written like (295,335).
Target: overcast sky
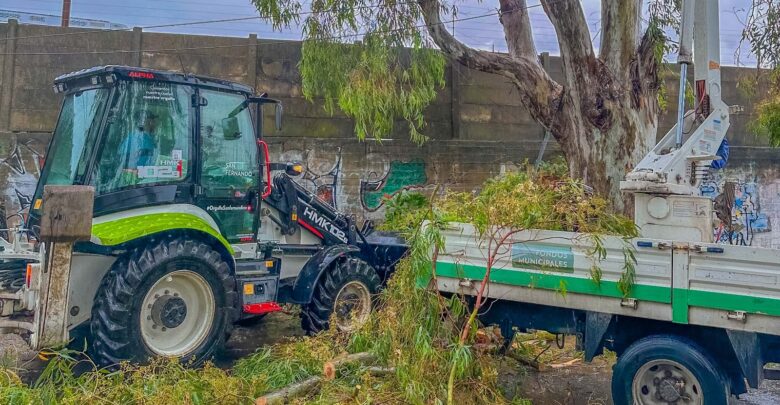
(485,33)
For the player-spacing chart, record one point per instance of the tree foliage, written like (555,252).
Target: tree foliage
(370,59)
(395,71)
(762,33)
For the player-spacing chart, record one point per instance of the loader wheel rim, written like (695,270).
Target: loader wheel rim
(662,382)
(352,306)
(177,313)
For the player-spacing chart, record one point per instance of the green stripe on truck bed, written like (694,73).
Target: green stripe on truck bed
(683,298)
(549,281)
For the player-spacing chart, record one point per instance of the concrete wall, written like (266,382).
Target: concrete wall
(476,125)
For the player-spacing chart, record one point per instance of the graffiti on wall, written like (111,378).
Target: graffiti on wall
(21,159)
(737,204)
(321,174)
(376,188)
(356,184)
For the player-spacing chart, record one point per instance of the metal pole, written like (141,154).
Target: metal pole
(681,104)
(66,13)
(683,59)
(540,156)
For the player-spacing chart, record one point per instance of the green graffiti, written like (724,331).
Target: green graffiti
(400,176)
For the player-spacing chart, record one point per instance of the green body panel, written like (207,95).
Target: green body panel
(681,299)
(680,305)
(734,302)
(554,282)
(126,229)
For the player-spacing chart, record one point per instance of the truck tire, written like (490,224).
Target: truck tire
(663,369)
(346,291)
(174,298)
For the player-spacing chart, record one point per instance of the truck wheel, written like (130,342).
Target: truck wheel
(667,369)
(346,292)
(174,299)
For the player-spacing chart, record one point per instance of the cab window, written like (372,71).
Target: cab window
(229,148)
(147,137)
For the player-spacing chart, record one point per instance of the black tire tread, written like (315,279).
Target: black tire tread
(315,316)
(113,306)
(698,357)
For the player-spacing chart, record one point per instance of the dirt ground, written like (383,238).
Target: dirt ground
(564,379)
(572,384)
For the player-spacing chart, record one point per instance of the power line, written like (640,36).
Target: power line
(60,34)
(266,42)
(214,21)
(116,13)
(242,45)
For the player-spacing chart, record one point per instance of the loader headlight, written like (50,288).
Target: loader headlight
(294,169)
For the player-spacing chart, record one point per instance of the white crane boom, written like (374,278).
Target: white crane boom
(666,182)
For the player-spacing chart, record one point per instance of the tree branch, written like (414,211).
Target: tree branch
(568,18)
(517,28)
(643,73)
(619,33)
(540,94)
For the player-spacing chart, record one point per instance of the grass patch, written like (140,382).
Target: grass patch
(415,330)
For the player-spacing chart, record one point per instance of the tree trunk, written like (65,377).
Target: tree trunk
(601,157)
(604,113)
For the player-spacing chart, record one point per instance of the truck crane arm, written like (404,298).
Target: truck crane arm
(678,163)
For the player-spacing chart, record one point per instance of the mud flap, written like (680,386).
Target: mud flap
(748,350)
(596,325)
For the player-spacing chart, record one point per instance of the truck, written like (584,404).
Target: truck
(702,319)
(159,221)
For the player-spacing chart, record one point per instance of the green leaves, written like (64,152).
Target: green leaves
(766,122)
(372,60)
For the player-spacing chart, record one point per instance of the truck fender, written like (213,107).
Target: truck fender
(310,274)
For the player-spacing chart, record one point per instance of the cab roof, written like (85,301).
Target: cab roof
(136,73)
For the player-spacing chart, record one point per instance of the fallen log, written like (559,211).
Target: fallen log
(566,363)
(529,362)
(330,368)
(377,371)
(291,391)
(312,384)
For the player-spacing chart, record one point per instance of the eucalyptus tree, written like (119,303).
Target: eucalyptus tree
(603,112)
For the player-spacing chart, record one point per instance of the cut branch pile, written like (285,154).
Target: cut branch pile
(330,371)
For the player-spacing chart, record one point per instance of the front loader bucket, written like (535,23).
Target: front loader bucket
(44,270)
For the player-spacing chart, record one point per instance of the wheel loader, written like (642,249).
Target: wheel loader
(192,228)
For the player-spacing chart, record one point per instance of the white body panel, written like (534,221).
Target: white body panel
(732,287)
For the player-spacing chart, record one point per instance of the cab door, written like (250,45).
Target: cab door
(229,168)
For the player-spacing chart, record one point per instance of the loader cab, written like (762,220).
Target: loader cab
(147,138)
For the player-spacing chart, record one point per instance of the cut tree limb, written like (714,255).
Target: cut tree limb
(566,363)
(312,384)
(377,371)
(291,391)
(528,362)
(330,369)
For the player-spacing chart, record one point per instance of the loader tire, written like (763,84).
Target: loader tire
(346,292)
(174,298)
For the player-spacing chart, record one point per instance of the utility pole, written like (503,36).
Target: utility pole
(66,13)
